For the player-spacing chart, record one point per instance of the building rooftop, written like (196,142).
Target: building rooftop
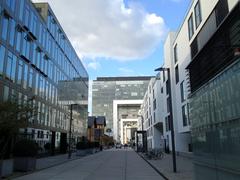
(124,78)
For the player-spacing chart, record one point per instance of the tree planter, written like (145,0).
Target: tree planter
(6,167)
(24,163)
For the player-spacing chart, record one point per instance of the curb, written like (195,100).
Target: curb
(152,166)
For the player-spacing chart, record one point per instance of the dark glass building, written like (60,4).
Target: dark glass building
(37,61)
(215,99)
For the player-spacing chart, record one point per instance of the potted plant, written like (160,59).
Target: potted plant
(25,153)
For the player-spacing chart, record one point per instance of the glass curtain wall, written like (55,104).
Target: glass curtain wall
(215,116)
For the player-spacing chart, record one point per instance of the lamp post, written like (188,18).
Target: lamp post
(171,116)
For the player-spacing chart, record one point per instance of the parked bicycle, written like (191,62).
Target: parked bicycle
(154,154)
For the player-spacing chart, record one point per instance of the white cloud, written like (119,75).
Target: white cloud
(94,65)
(107,28)
(126,71)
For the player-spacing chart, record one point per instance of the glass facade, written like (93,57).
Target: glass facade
(215,116)
(35,57)
(105,90)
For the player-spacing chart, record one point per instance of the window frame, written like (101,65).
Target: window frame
(190,26)
(175,54)
(197,8)
(177,74)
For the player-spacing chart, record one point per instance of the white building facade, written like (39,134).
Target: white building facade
(200,23)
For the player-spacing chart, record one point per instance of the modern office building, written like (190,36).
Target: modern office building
(119,100)
(37,61)
(215,94)
(203,59)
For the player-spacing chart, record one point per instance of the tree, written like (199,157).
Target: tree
(13,116)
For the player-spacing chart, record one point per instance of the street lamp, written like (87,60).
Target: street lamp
(171,116)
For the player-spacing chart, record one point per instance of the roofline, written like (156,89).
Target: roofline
(124,78)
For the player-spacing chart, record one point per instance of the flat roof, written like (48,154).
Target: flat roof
(125,78)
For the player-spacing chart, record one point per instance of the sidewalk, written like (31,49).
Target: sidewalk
(184,167)
(48,162)
(122,164)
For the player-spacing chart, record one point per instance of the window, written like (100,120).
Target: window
(5,26)
(194,47)
(154,104)
(183,93)
(168,104)
(30,84)
(11,67)
(12,32)
(18,38)
(2,56)
(164,78)
(175,54)
(11,4)
(25,76)
(154,117)
(21,8)
(198,15)
(38,58)
(134,93)
(26,15)
(167,87)
(5,93)
(176,74)
(40,32)
(20,72)
(37,84)
(221,11)
(33,26)
(167,123)
(190,27)
(185,115)
(26,46)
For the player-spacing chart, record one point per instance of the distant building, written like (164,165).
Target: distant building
(96,127)
(36,57)
(152,115)
(119,100)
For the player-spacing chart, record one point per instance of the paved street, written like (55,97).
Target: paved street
(106,165)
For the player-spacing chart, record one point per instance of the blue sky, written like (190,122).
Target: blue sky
(119,37)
